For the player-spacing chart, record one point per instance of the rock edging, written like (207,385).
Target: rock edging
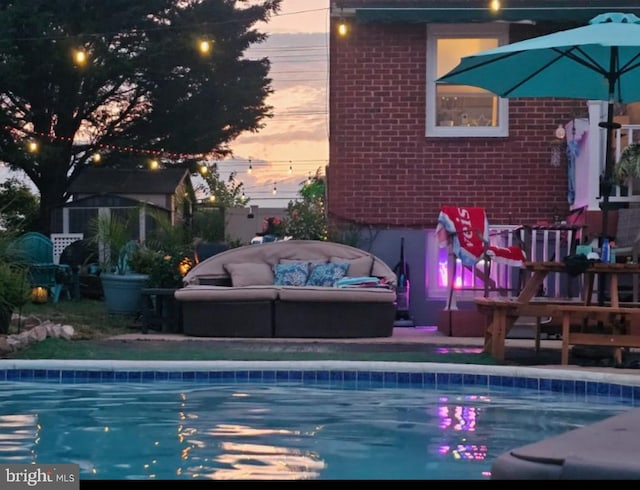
(33,330)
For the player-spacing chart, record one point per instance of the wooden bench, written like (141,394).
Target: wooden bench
(503,313)
(614,319)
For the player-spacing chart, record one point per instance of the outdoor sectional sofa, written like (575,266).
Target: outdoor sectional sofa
(246,292)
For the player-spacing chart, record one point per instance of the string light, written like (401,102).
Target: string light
(80,57)
(32,146)
(290,168)
(494,5)
(96,157)
(250,169)
(154,164)
(275,190)
(204,46)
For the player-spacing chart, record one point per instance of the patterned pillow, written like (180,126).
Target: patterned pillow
(291,274)
(327,274)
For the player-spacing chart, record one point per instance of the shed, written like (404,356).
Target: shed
(109,190)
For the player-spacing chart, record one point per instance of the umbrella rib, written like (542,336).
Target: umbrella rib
(585,60)
(480,64)
(533,74)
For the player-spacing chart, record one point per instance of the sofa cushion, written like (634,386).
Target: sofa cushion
(250,274)
(222,293)
(316,294)
(357,267)
(291,274)
(326,274)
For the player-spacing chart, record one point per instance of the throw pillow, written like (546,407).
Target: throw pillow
(291,274)
(327,274)
(250,274)
(357,267)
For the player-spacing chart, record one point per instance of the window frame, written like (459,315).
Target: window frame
(438,31)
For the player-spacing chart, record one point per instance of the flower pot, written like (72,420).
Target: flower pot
(123,292)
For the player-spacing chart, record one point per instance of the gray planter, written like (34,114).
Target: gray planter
(123,292)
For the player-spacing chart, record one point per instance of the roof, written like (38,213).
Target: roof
(96,180)
(477,11)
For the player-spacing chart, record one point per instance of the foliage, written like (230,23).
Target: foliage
(18,207)
(163,270)
(306,219)
(628,167)
(220,193)
(274,226)
(144,85)
(160,257)
(111,233)
(209,217)
(208,223)
(15,290)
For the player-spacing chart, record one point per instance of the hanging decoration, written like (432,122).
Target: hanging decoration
(573,150)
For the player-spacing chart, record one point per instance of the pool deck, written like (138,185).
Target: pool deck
(519,351)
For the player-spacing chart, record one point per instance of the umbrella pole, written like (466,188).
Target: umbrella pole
(606,187)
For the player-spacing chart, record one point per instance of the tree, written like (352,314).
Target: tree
(306,219)
(144,90)
(220,193)
(18,207)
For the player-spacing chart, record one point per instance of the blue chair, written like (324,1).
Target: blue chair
(36,250)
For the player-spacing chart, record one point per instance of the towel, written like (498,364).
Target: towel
(469,230)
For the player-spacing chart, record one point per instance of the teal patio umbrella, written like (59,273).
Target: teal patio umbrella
(598,61)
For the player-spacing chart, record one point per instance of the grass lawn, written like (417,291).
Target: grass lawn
(94,327)
(88,317)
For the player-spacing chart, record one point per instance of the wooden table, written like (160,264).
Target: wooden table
(613,316)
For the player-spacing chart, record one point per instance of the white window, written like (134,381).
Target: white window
(462,110)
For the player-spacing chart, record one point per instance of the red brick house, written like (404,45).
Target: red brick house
(402,146)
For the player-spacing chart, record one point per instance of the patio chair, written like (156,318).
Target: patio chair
(465,231)
(81,256)
(36,250)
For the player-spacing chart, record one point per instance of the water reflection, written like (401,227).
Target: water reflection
(241,461)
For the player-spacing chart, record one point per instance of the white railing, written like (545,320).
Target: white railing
(540,244)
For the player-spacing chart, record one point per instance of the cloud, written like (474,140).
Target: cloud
(304,16)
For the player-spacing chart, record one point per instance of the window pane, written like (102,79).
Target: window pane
(462,105)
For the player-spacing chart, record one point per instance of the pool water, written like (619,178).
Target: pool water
(281,431)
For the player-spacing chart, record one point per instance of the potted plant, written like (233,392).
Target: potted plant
(121,283)
(628,166)
(166,256)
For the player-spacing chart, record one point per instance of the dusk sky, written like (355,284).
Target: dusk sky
(297,136)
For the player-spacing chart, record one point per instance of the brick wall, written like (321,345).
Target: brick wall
(383,170)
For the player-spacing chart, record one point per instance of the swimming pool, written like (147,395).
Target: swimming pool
(290,420)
